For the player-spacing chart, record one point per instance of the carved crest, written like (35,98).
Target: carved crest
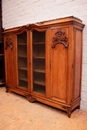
(9,43)
(60,38)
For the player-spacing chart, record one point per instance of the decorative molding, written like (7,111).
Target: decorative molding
(9,43)
(30,98)
(60,38)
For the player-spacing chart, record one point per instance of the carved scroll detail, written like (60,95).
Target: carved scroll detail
(9,43)
(60,38)
(30,98)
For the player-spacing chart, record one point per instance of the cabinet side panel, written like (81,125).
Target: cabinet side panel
(78,63)
(8,61)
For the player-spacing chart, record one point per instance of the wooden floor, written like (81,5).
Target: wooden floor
(16,113)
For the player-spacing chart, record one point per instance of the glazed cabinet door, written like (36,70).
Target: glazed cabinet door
(10,58)
(38,45)
(38,59)
(59,64)
(22,55)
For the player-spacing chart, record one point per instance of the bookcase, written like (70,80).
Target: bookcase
(43,62)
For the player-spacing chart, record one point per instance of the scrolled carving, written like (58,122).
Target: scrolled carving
(60,38)
(9,43)
(30,98)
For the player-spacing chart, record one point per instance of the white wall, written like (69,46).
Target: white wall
(19,12)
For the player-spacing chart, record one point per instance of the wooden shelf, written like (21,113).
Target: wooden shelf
(23,87)
(38,70)
(39,82)
(1,54)
(23,68)
(23,79)
(23,44)
(39,43)
(22,56)
(38,57)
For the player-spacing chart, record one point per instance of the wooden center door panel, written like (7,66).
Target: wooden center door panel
(59,64)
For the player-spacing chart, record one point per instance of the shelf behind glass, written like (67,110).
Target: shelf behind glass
(39,70)
(23,84)
(39,88)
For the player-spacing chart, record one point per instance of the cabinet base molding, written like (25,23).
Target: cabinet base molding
(31,98)
(16,90)
(65,107)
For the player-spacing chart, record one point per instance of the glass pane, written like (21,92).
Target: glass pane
(39,62)
(22,60)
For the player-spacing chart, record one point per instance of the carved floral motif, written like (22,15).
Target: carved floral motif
(60,38)
(9,43)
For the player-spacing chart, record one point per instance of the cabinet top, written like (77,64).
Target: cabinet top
(60,20)
(70,19)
